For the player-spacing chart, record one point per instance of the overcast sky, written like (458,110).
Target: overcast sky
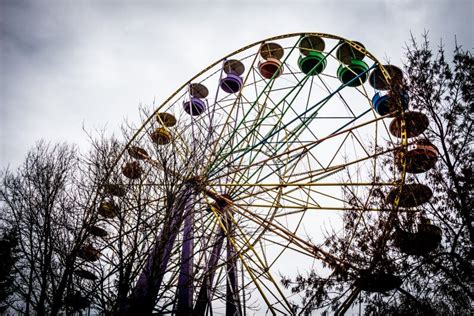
(69,64)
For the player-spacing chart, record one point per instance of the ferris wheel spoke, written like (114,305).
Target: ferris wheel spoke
(267,86)
(233,244)
(360,218)
(288,235)
(353,294)
(284,247)
(299,182)
(339,95)
(309,193)
(260,272)
(294,132)
(316,109)
(252,132)
(261,264)
(309,178)
(304,206)
(305,184)
(304,148)
(236,131)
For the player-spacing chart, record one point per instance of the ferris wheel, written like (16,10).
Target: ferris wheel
(243,169)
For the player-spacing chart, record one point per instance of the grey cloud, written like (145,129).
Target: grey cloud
(68,62)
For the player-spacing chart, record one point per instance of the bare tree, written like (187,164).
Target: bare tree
(89,224)
(50,202)
(8,253)
(37,201)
